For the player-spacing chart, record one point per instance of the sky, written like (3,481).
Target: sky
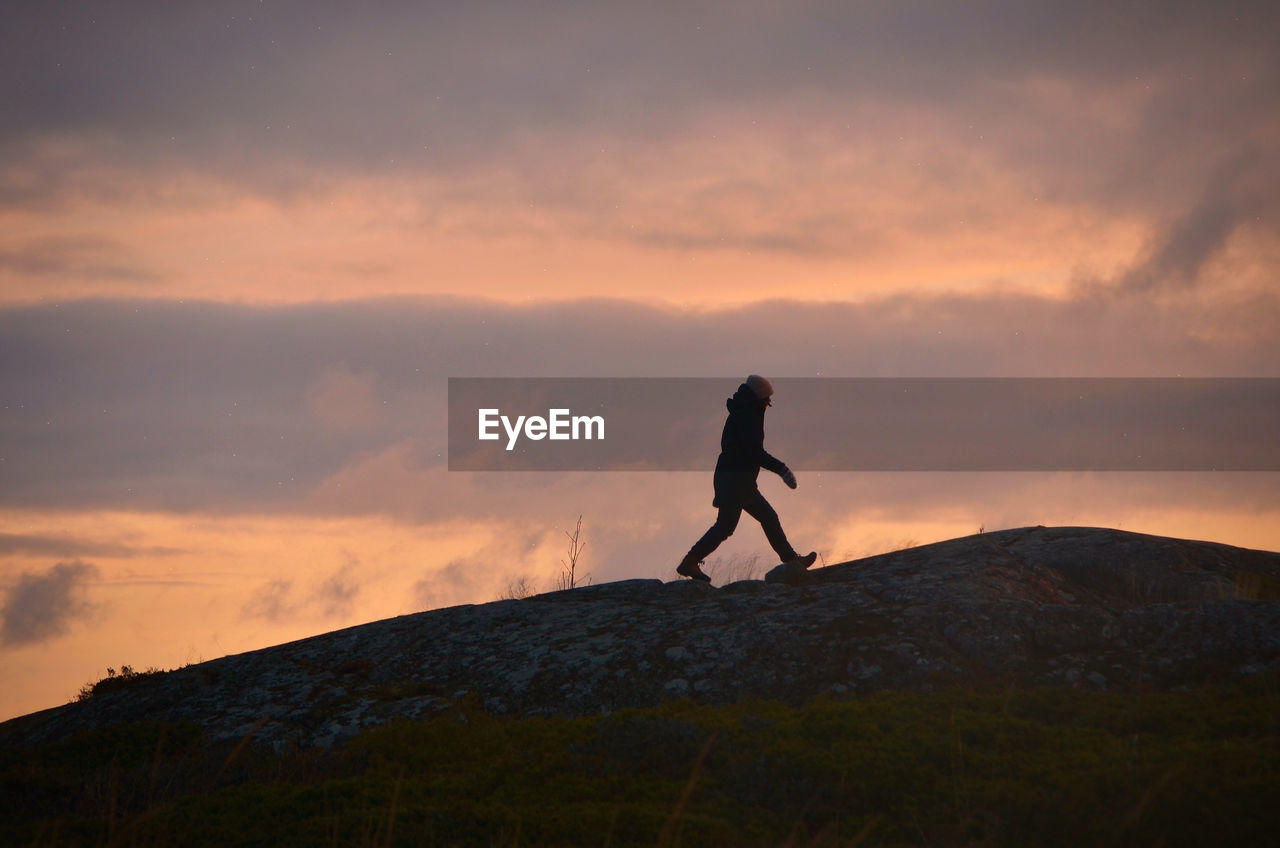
(243,246)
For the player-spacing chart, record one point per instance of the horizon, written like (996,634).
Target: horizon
(240,257)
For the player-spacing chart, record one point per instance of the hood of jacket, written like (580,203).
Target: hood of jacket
(744,400)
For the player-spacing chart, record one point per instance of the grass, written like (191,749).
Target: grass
(725,570)
(116,681)
(963,766)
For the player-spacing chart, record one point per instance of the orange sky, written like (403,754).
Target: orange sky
(183,588)
(828,222)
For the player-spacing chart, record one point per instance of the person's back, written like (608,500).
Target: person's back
(742,452)
(743,435)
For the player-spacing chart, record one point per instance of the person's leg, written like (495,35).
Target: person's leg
(726,523)
(760,509)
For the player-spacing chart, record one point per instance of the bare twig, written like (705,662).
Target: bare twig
(569,573)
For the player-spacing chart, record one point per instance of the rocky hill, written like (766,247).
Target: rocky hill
(1070,606)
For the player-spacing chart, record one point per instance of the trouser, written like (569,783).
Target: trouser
(727,521)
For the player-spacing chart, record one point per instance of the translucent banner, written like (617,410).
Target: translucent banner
(871,424)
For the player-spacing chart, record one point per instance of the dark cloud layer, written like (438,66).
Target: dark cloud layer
(338,67)
(40,607)
(144,404)
(283,93)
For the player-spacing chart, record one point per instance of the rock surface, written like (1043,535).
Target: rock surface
(793,573)
(1071,606)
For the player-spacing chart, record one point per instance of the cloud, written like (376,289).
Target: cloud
(40,607)
(518,546)
(336,594)
(84,257)
(271,601)
(199,406)
(538,88)
(332,597)
(62,546)
(343,84)
(343,400)
(836,148)
(455,579)
(1244,192)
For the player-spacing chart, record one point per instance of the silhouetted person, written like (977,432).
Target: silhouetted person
(742,455)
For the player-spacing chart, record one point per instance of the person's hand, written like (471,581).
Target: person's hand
(788,477)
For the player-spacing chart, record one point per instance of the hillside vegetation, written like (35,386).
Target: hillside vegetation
(1008,766)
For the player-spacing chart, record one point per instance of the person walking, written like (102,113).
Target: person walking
(742,455)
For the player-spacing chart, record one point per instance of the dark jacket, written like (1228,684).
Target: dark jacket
(742,452)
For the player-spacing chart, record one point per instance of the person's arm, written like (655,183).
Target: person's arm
(744,437)
(769,462)
(778,467)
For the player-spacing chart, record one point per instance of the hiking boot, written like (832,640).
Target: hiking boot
(808,559)
(691,568)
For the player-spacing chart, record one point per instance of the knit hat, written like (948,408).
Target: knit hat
(763,388)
